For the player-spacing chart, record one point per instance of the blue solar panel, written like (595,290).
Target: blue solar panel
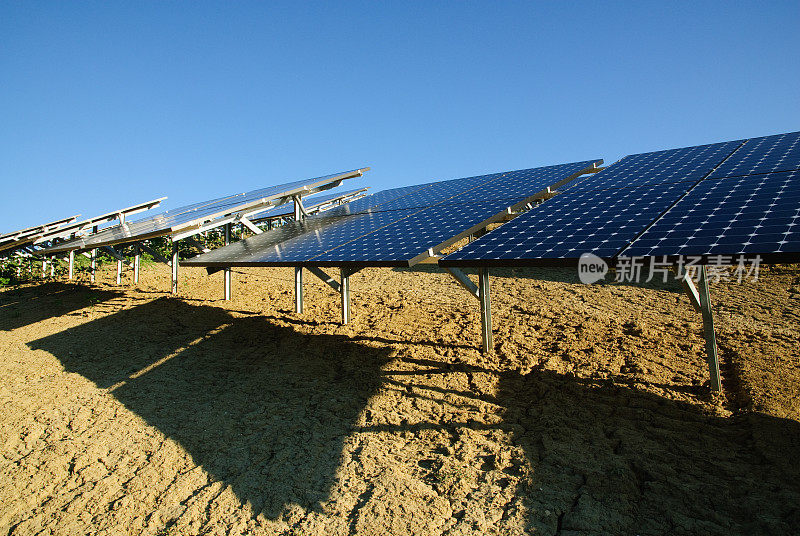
(763,155)
(409,237)
(754,214)
(373,202)
(415,234)
(400,229)
(296,242)
(674,165)
(591,221)
(720,199)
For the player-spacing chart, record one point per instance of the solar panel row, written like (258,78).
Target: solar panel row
(195,215)
(396,227)
(23,237)
(731,198)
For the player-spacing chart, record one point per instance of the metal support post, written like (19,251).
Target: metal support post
(174,267)
(71,264)
(345,290)
(44,268)
(227,271)
(708,331)
(137,258)
(119,272)
(52,267)
(93,271)
(486,309)
(299,210)
(298,289)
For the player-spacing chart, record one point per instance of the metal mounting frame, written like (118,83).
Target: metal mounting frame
(482,294)
(701,301)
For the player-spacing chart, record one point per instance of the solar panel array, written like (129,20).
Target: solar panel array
(196,214)
(23,237)
(84,226)
(730,198)
(394,227)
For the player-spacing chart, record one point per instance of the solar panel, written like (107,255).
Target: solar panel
(194,216)
(768,154)
(399,229)
(401,242)
(738,205)
(686,164)
(751,214)
(597,221)
(372,202)
(295,242)
(404,239)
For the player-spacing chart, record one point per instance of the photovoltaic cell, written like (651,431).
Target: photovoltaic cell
(752,214)
(769,154)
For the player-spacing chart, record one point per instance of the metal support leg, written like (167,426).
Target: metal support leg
(174,267)
(52,267)
(119,272)
(298,290)
(708,331)
(71,264)
(486,309)
(93,272)
(44,269)
(227,271)
(345,290)
(137,258)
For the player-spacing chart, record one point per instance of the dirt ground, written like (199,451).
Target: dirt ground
(127,411)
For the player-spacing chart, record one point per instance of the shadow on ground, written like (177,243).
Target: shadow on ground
(608,459)
(615,460)
(261,407)
(27,305)
(267,410)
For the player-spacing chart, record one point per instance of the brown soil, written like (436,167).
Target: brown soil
(126,411)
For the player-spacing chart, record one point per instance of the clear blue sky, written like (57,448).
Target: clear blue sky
(105,104)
